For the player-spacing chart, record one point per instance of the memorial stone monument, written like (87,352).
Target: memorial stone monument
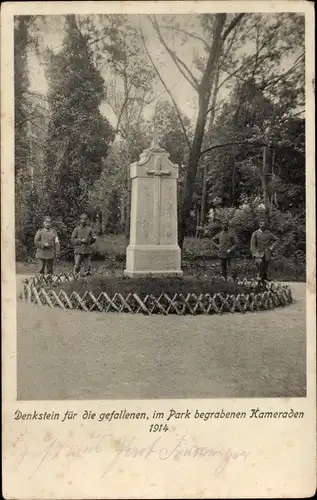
(153,249)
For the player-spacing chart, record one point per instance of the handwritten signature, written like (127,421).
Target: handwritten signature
(123,448)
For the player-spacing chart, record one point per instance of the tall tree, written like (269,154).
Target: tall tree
(79,136)
(131,74)
(21,84)
(203,87)
(24,39)
(130,91)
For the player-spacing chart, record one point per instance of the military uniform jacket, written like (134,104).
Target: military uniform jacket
(83,233)
(261,242)
(227,241)
(46,236)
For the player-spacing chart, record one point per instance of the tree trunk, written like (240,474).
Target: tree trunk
(264,177)
(274,197)
(204,196)
(206,167)
(194,154)
(233,186)
(190,177)
(128,207)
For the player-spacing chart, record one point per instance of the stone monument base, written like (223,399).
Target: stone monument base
(153,260)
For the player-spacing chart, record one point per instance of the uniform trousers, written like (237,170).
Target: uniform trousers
(46,265)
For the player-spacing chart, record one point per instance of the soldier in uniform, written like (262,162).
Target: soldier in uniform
(226,241)
(82,239)
(47,245)
(262,244)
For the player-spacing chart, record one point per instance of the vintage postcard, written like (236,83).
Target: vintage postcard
(158,249)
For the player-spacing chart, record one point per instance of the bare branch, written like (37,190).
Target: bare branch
(231,75)
(249,60)
(290,117)
(181,66)
(28,119)
(246,144)
(256,51)
(240,143)
(246,33)
(97,39)
(155,98)
(218,104)
(123,106)
(226,52)
(185,32)
(165,86)
(286,73)
(232,25)
(113,109)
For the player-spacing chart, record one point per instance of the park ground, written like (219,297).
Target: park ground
(76,355)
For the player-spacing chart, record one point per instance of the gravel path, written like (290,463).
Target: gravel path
(78,355)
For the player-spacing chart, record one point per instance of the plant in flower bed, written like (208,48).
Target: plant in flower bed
(153,286)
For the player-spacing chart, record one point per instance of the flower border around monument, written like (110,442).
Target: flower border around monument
(36,290)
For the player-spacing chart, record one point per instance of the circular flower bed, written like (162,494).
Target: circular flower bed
(188,295)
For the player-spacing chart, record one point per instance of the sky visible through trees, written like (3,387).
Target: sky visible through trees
(51,33)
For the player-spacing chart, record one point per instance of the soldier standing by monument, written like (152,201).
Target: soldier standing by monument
(227,243)
(82,239)
(47,244)
(262,244)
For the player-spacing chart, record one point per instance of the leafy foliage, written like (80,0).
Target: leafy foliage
(79,136)
(171,136)
(247,125)
(23,40)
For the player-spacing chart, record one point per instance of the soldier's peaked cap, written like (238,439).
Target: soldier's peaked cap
(47,218)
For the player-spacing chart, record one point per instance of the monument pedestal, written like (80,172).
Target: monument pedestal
(153,248)
(154,260)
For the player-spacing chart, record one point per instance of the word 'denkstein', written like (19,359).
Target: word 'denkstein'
(35,415)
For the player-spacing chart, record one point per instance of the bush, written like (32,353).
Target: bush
(155,286)
(290,228)
(280,269)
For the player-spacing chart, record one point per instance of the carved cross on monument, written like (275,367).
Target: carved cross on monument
(154,143)
(157,173)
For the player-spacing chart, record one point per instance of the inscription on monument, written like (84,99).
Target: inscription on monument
(145,227)
(168,204)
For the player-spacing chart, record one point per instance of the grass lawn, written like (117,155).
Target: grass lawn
(77,355)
